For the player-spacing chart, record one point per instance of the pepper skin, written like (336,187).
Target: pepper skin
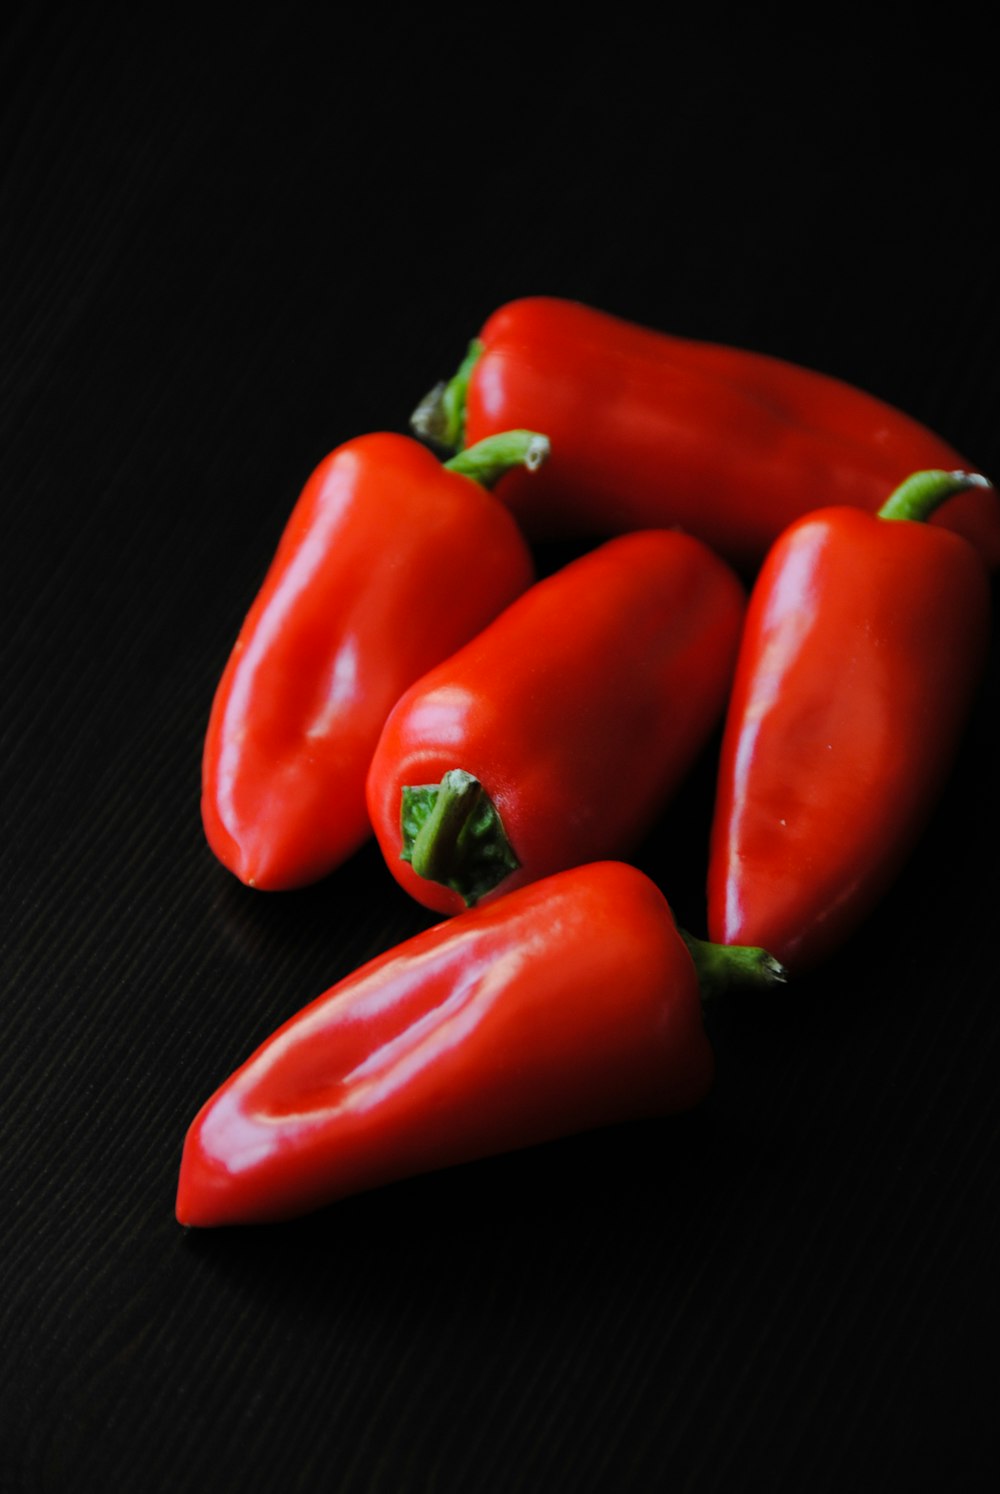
(649,429)
(388,563)
(569,1005)
(577,713)
(864,642)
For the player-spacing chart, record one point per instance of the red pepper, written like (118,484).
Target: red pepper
(864,641)
(555,736)
(388,562)
(569,1005)
(649,430)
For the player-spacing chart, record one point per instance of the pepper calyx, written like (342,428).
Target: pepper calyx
(453,834)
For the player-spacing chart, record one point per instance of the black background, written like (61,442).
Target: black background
(224,249)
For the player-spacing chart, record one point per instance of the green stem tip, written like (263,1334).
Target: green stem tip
(440,416)
(919,495)
(452,834)
(723,967)
(491,458)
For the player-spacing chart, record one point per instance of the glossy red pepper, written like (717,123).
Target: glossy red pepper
(556,735)
(388,562)
(649,429)
(864,641)
(572,1004)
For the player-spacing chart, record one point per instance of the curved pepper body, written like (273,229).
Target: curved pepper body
(863,644)
(388,562)
(649,429)
(569,1005)
(578,710)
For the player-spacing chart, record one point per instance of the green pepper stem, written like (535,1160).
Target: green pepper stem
(437,845)
(723,967)
(920,494)
(491,458)
(440,416)
(452,834)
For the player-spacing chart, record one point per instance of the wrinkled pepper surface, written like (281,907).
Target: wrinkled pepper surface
(572,1004)
(864,642)
(557,734)
(649,429)
(389,561)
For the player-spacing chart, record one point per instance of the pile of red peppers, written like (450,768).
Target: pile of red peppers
(767,553)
